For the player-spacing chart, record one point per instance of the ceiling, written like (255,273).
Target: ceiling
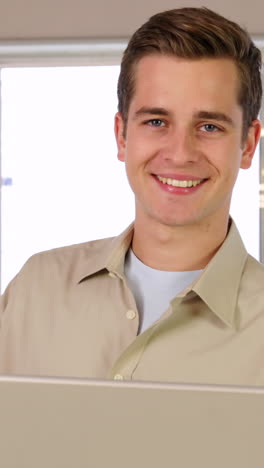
(84,19)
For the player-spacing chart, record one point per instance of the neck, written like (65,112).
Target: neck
(180,248)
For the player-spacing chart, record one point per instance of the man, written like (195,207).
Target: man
(176,297)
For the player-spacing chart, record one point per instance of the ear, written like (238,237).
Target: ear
(120,138)
(250,144)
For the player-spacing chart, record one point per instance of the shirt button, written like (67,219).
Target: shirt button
(131,314)
(112,274)
(118,377)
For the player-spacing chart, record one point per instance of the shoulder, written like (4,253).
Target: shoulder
(253,276)
(77,252)
(62,264)
(253,266)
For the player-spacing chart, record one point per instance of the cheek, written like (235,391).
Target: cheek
(227,159)
(136,153)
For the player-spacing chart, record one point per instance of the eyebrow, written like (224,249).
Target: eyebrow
(220,116)
(151,111)
(209,115)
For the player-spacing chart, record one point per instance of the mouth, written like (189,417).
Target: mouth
(188,183)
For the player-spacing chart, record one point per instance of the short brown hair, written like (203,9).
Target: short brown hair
(195,33)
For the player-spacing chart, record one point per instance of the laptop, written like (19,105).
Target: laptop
(77,423)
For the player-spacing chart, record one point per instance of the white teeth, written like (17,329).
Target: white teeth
(179,183)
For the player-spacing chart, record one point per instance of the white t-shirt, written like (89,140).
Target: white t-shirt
(154,289)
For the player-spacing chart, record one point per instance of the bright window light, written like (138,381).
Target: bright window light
(59,152)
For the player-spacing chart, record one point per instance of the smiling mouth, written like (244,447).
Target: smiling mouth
(180,183)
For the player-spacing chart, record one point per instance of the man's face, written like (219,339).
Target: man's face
(183,143)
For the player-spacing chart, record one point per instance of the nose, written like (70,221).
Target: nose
(179,146)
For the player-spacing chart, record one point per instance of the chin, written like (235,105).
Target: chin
(176,221)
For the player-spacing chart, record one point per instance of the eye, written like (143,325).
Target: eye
(156,123)
(210,128)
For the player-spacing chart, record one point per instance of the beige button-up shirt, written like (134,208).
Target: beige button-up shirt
(69,312)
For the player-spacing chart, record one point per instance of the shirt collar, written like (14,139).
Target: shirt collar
(218,286)
(106,254)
